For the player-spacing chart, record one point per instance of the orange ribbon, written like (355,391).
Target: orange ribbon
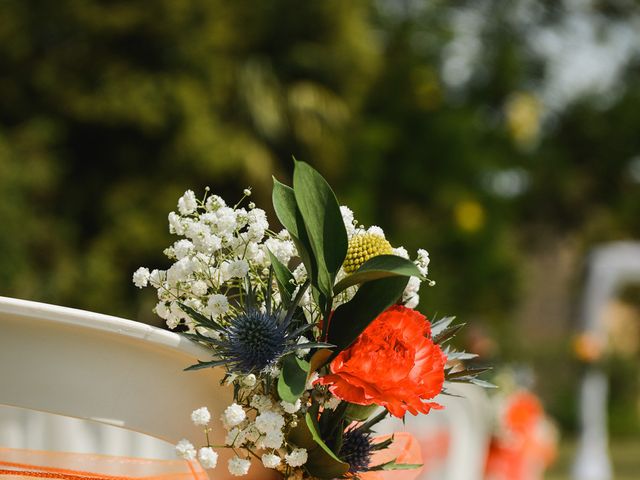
(17,463)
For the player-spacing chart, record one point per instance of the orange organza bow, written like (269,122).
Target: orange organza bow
(404,449)
(18,464)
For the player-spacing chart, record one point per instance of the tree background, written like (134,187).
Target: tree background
(500,135)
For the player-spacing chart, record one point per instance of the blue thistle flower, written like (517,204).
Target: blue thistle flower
(356,450)
(254,341)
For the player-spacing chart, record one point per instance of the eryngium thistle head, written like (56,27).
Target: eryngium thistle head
(255,340)
(356,450)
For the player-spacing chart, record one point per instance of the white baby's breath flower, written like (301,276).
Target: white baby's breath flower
(230,378)
(157,277)
(217,305)
(303,351)
(247,192)
(233,415)
(312,378)
(376,230)
(270,460)
(187,203)
(412,301)
(185,449)
(172,321)
(249,380)
(162,310)
(176,225)
(269,421)
(291,407)
(300,273)
(251,434)
(199,288)
(347,217)
(422,262)
(332,403)
(182,248)
(214,202)
(141,277)
(410,295)
(226,220)
(235,269)
(201,416)
(272,440)
(180,271)
(261,403)
(296,458)
(239,466)
(234,438)
(272,370)
(208,457)
(401,252)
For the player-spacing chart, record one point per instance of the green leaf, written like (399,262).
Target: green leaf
(323,222)
(482,383)
(393,465)
(287,211)
(321,462)
(471,372)
(447,334)
(293,378)
(284,279)
(380,266)
(350,319)
(200,365)
(438,326)
(360,412)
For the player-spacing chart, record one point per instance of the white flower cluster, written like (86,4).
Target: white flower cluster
(263,430)
(221,245)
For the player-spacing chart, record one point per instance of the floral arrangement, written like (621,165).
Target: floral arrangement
(314,325)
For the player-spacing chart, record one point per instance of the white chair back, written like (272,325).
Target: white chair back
(100,368)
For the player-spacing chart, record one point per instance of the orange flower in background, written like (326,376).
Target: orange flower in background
(393,363)
(523,412)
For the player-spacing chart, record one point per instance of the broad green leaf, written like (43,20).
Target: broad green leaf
(360,412)
(293,378)
(322,462)
(286,208)
(284,278)
(350,319)
(323,222)
(380,266)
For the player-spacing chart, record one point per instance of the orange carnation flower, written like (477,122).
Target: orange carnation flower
(393,363)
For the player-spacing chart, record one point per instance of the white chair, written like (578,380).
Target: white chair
(104,369)
(455,440)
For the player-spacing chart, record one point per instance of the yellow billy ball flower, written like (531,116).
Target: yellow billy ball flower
(362,247)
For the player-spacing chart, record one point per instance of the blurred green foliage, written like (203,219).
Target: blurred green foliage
(109,110)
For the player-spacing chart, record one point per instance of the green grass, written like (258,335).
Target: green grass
(625,455)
